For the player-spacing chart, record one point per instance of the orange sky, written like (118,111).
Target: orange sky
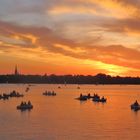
(70,37)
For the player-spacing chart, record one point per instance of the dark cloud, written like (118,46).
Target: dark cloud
(123,25)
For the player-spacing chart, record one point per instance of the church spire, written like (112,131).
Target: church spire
(16,70)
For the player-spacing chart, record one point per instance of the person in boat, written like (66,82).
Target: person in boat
(29,103)
(95,95)
(103,98)
(22,103)
(89,95)
(81,95)
(14,92)
(136,103)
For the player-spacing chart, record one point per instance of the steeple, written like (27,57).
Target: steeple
(16,70)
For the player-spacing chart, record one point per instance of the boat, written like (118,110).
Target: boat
(49,93)
(25,106)
(4,96)
(15,94)
(82,97)
(135,106)
(12,94)
(27,89)
(103,100)
(96,98)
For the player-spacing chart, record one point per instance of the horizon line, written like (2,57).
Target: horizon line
(67,75)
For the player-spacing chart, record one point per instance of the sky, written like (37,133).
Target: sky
(70,37)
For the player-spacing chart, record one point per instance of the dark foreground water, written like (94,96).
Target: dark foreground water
(64,118)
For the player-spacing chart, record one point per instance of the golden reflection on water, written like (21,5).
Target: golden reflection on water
(62,117)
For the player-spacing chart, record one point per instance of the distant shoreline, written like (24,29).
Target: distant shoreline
(68,84)
(99,79)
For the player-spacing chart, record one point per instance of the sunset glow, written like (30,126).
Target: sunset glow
(70,37)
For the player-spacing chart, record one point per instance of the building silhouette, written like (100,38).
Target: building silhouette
(16,71)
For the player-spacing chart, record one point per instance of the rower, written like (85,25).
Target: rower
(136,103)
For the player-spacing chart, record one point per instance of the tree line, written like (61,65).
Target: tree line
(69,79)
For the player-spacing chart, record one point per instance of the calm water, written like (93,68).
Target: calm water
(64,118)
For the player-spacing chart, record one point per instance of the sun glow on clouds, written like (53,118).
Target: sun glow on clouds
(101,8)
(67,48)
(40,54)
(30,37)
(112,69)
(63,9)
(116,8)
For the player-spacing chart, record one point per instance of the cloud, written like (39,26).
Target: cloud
(124,26)
(43,40)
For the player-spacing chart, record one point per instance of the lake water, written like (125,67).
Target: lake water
(64,118)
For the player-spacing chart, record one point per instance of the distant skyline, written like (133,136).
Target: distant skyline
(70,37)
